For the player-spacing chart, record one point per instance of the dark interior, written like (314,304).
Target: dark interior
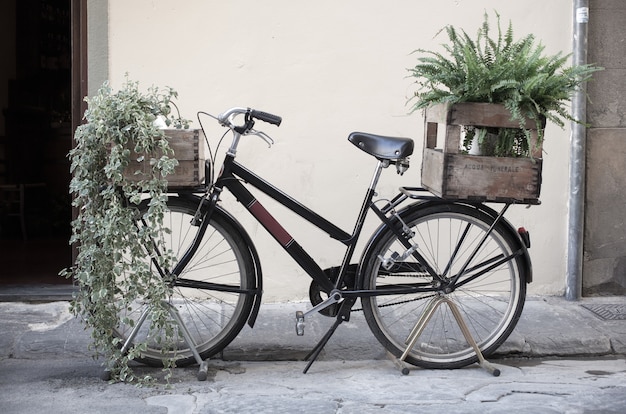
(35,137)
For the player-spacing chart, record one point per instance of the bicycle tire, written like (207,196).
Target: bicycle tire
(490,305)
(213,318)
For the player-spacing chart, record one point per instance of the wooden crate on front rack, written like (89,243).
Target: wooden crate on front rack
(188,147)
(449,173)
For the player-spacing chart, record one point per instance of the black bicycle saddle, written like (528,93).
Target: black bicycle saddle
(383,148)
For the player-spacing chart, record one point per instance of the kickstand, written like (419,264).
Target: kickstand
(204,365)
(421,325)
(320,345)
(343,316)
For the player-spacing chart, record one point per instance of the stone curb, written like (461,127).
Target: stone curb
(549,326)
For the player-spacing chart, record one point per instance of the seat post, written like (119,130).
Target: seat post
(379,168)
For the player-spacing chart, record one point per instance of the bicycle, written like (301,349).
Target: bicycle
(426,253)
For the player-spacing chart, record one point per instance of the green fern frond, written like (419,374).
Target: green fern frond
(494,67)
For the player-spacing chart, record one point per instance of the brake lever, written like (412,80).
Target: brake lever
(263,136)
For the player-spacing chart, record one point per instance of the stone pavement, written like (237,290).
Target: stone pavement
(559,386)
(45,367)
(549,326)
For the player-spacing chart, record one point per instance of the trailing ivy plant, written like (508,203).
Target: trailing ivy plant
(499,69)
(119,126)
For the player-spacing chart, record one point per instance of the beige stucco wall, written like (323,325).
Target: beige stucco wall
(328,67)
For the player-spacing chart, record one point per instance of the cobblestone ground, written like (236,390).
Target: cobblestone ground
(525,386)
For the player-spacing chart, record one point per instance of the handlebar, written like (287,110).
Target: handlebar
(266,117)
(226,117)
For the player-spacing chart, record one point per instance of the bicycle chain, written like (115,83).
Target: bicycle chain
(397,303)
(400,302)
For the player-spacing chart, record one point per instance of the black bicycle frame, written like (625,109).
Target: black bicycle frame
(230,177)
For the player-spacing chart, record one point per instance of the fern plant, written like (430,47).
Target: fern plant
(499,69)
(118,125)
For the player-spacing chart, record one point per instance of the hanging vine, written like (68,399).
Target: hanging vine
(120,127)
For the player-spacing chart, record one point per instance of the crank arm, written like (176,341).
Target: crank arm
(334,297)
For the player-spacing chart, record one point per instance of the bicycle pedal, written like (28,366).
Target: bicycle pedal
(300,323)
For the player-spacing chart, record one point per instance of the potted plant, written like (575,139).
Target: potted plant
(494,92)
(119,127)
(499,70)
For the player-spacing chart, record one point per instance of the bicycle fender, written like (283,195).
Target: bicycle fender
(506,225)
(515,235)
(258,272)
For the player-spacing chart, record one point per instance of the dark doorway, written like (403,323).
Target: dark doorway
(35,137)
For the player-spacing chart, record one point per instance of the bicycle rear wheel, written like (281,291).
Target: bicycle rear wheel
(490,294)
(213,314)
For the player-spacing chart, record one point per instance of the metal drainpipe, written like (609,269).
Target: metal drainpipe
(576,218)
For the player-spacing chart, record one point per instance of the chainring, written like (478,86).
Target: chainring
(317,295)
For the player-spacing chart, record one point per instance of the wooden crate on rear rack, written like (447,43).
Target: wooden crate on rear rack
(188,147)
(449,173)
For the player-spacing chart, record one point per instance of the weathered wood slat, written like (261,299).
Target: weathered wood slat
(475,113)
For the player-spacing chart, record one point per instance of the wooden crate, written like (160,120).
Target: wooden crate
(188,147)
(448,173)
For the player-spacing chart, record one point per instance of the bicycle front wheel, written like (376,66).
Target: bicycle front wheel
(490,293)
(213,295)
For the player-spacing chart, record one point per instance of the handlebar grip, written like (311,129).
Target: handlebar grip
(266,117)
